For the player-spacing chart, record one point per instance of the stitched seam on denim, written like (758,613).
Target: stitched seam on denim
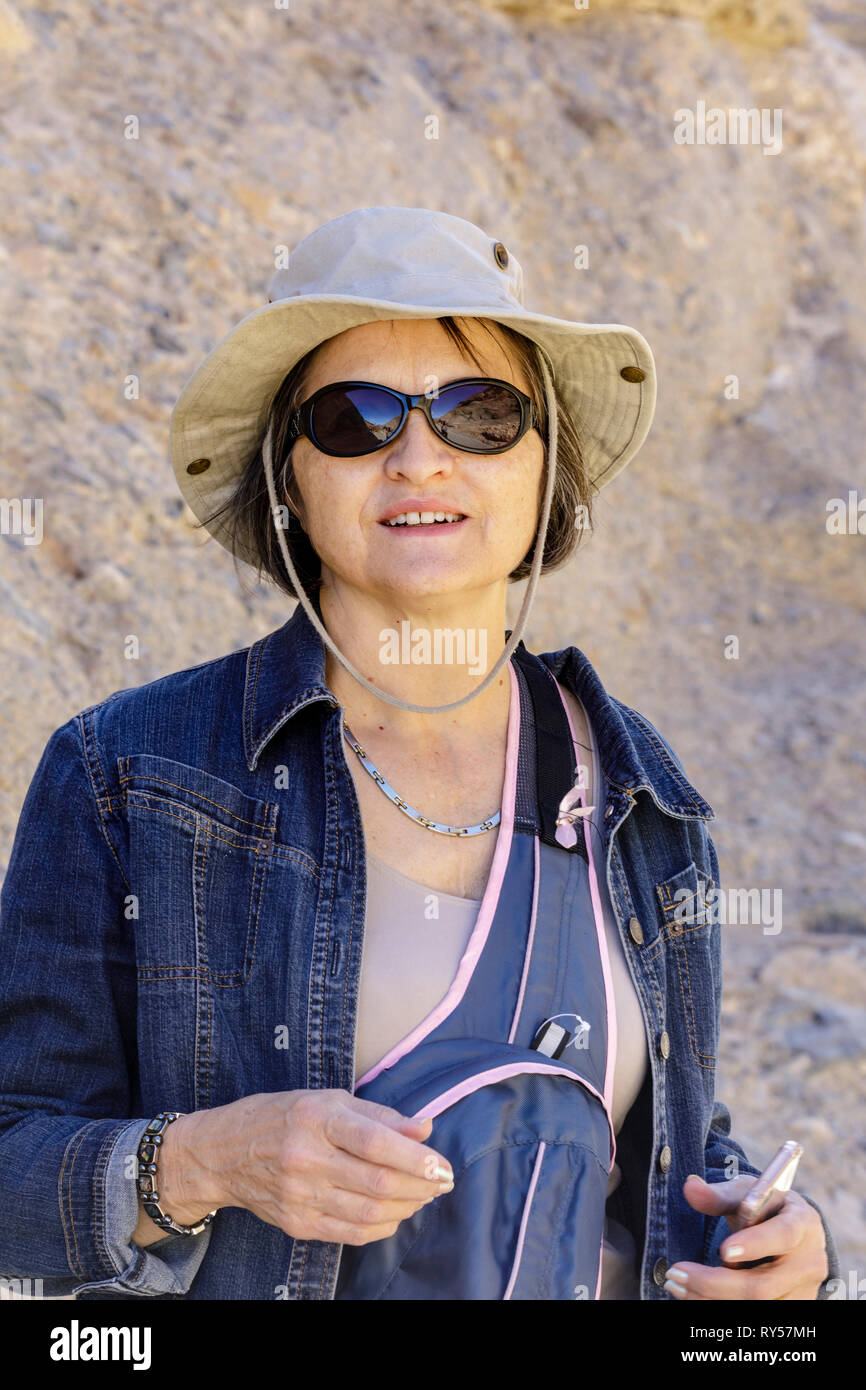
(331,765)
(664,756)
(681,957)
(358,830)
(63,1219)
(675,933)
(75,1266)
(678,931)
(671,905)
(164,782)
(241,842)
(199,865)
(209,1024)
(145,800)
(171,972)
(101,819)
(200,974)
(208,1002)
(666,897)
(100,1169)
(259,650)
(710,1056)
(257,893)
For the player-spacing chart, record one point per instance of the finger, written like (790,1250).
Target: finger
(716,1282)
(412,1123)
(365,1211)
(378,1180)
(332,1228)
(717,1198)
(387,1115)
(375,1142)
(779,1235)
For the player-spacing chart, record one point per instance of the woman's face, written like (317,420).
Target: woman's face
(342,501)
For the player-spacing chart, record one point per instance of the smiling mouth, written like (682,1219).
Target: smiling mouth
(431,520)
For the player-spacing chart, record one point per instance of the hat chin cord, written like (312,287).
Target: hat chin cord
(534,574)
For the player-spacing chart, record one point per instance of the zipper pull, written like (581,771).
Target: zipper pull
(569,811)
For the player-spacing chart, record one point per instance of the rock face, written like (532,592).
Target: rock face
(152,167)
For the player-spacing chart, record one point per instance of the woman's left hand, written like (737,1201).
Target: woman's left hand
(794,1237)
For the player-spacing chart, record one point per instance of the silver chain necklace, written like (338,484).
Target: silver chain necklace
(410,810)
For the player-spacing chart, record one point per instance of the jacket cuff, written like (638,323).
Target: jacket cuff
(168,1266)
(832,1286)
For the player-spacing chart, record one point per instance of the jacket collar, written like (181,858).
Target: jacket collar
(286,671)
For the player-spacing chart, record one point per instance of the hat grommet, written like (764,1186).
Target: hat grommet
(500,255)
(632,373)
(198,466)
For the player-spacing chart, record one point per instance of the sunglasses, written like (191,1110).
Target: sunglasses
(481,415)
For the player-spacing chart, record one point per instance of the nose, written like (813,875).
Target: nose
(418,444)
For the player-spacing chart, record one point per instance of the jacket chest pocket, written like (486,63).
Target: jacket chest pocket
(686,916)
(199,855)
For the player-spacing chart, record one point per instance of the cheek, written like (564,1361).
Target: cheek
(328,492)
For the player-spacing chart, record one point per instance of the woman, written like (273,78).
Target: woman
(281,886)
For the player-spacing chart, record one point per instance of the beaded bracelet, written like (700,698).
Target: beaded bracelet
(148,1155)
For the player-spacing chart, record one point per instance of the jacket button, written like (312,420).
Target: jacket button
(198,466)
(635,931)
(632,373)
(660,1269)
(665,1158)
(501,255)
(665,1045)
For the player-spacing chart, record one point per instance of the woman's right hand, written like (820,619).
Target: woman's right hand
(320,1165)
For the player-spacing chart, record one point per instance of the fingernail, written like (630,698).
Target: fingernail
(439,1173)
(446,1187)
(671,1286)
(694,1175)
(734,1252)
(680,1275)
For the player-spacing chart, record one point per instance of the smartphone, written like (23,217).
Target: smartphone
(768,1194)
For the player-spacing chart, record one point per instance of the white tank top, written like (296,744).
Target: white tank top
(414,939)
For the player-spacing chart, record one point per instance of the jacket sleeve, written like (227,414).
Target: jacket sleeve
(68,1204)
(723,1156)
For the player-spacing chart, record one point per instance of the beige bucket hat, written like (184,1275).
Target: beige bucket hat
(400,263)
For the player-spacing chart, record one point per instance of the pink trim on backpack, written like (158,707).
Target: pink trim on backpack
(487,910)
(598,913)
(528,953)
(478,1079)
(524,1220)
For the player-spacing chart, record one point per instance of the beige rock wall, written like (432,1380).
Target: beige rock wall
(767,23)
(555,129)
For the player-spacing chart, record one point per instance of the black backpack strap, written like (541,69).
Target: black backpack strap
(554,747)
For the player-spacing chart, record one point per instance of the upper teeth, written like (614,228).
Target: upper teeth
(422,518)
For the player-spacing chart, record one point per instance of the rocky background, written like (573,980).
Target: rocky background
(135,256)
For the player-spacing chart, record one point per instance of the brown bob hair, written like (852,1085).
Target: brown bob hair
(248,509)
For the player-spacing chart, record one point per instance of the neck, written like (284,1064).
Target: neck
(429,650)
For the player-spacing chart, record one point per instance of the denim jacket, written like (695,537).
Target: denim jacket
(181,925)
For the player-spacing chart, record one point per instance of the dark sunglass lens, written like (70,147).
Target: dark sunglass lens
(478,415)
(354,419)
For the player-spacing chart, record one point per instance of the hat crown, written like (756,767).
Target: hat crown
(403,256)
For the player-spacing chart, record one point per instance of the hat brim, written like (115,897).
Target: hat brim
(222,410)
